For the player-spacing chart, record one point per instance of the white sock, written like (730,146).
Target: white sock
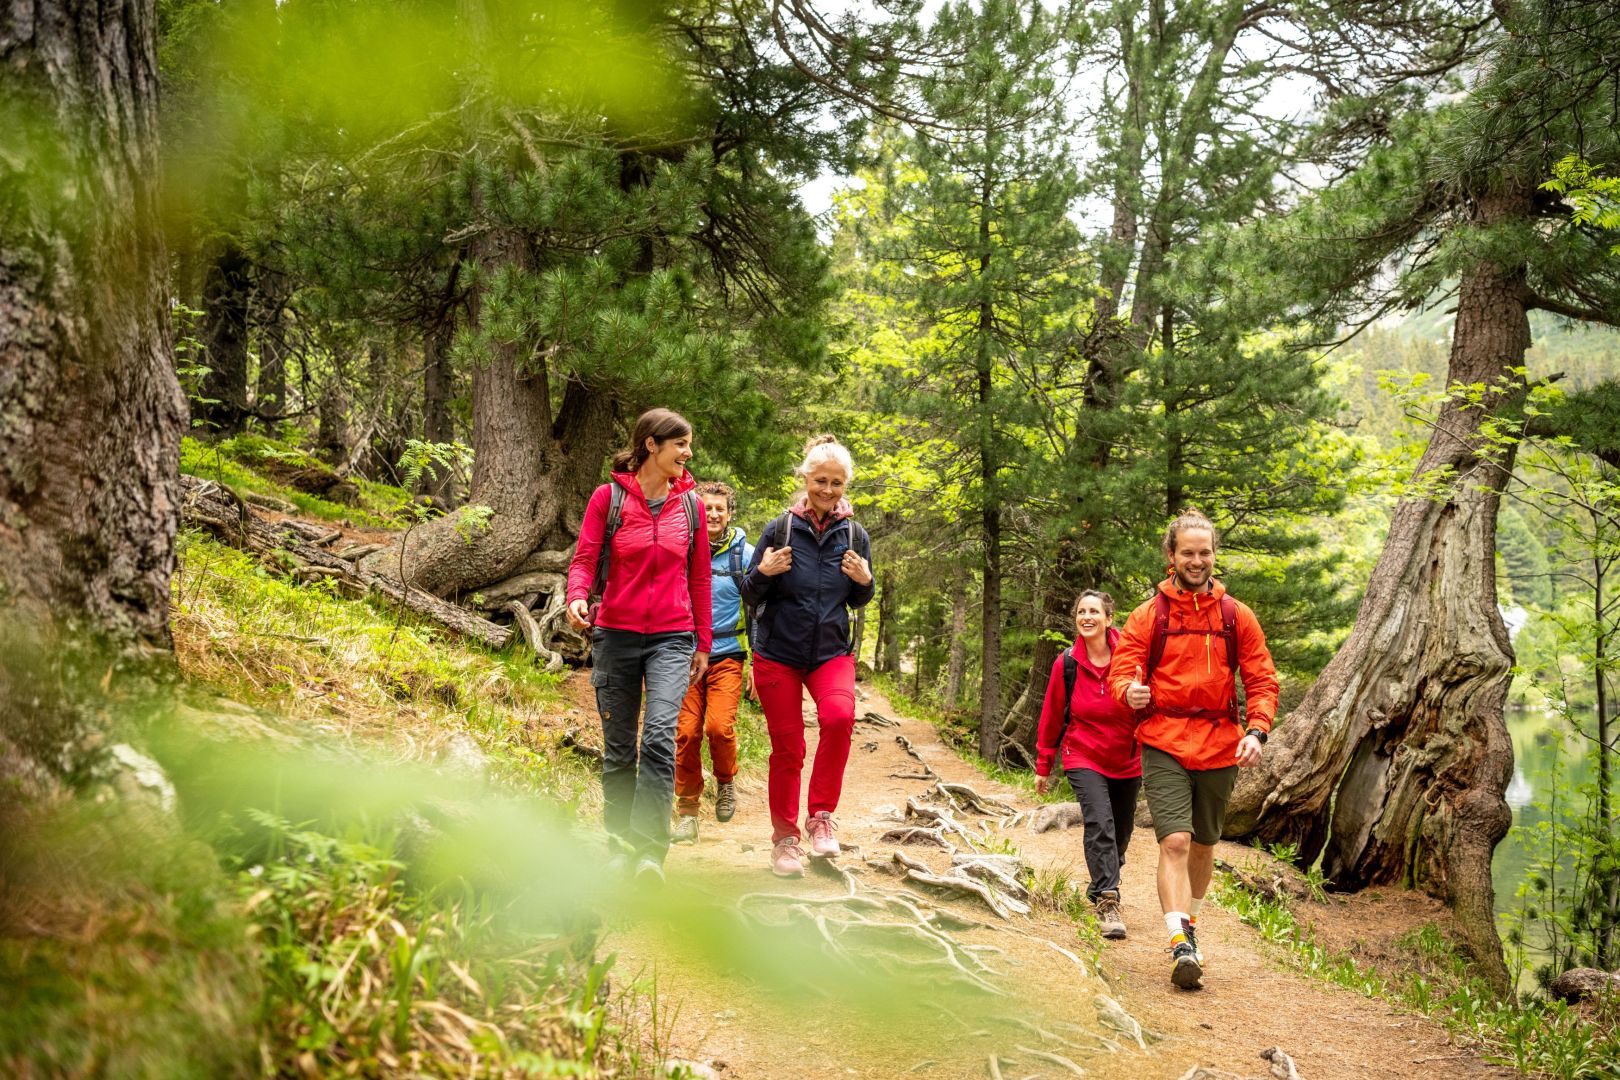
(1173,921)
(1192,908)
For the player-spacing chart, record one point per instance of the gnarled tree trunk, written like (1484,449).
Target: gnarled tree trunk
(90,411)
(1394,765)
(532,471)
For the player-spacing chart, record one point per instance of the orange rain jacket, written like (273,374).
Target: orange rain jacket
(1193,674)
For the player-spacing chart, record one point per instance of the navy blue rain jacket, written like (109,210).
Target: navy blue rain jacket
(805,618)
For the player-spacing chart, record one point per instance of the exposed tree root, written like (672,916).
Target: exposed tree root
(877,719)
(924,770)
(914,834)
(959,883)
(1282,1066)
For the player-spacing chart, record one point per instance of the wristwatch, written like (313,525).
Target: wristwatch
(1257,733)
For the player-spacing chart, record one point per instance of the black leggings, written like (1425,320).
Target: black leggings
(1108,807)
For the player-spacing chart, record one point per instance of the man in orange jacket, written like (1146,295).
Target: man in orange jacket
(1177,664)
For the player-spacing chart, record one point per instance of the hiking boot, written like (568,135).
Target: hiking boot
(1110,920)
(1190,928)
(820,827)
(685,831)
(1185,971)
(787,858)
(649,872)
(725,801)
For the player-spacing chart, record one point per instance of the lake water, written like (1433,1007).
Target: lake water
(1542,745)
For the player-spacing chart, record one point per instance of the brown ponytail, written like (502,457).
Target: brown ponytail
(660,425)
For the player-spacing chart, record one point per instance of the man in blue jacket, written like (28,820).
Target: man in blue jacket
(711,704)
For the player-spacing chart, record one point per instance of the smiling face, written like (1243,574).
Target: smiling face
(824,485)
(1193,560)
(717,513)
(1091,619)
(669,457)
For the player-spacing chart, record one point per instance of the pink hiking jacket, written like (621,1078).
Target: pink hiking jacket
(653,587)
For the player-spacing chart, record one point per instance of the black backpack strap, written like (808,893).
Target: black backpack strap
(694,521)
(1071,676)
(615,518)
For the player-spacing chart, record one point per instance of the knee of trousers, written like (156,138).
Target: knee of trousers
(836,711)
(719,729)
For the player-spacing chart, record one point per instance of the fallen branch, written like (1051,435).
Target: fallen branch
(358,552)
(209,506)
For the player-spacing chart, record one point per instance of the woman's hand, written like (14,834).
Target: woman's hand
(776,561)
(1043,784)
(753,692)
(700,664)
(856,568)
(579,614)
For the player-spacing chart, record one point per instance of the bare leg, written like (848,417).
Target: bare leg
(1200,868)
(1175,886)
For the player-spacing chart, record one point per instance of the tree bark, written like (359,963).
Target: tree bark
(888,643)
(270,320)
(1023,720)
(1393,767)
(227,287)
(90,411)
(532,474)
(438,385)
(957,657)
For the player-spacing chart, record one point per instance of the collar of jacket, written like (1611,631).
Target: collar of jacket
(677,487)
(1078,649)
(801,508)
(734,536)
(1178,595)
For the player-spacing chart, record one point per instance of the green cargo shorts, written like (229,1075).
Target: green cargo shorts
(1186,800)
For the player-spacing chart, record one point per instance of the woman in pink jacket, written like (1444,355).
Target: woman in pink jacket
(1101,760)
(650,628)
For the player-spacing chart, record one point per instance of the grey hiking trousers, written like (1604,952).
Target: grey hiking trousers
(638,786)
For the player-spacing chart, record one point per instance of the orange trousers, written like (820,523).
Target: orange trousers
(710,709)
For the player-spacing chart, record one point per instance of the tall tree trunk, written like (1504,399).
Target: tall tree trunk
(990,512)
(90,411)
(438,385)
(532,474)
(888,643)
(1394,765)
(1023,720)
(227,288)
(332,421)
(270,320)
(957,656)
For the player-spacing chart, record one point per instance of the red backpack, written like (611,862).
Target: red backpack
(1161,630)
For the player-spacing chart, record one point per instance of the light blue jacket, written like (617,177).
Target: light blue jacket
(733,556)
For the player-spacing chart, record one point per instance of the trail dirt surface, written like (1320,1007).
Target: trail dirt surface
(1059,999)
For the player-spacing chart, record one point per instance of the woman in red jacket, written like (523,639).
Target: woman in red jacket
(651,628)
(1100,756)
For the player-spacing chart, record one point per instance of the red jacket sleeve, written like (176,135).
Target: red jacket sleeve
(699,576)
(582,568)
(1258,670)
(1052,710)
(1130,651)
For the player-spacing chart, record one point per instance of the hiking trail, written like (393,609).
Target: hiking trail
(1050,1012)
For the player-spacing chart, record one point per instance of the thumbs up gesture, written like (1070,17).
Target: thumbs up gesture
(1138,695)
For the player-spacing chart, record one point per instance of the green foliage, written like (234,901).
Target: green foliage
(1593,197)
(364,972)
(234,462)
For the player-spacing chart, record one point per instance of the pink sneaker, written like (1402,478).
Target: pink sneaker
(787,858)
(820,827)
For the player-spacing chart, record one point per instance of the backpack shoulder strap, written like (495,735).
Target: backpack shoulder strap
(1161,627)
(689,499)
(860,539)
(610,528)
(1071,676)
(1229,611)
(736,560)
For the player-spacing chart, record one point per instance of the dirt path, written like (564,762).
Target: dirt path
(1250,1001)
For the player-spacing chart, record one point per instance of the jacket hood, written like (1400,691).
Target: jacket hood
(1177,596)
(801,508)
(678,486)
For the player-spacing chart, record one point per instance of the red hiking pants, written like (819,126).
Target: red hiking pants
(781,695)
(710,709)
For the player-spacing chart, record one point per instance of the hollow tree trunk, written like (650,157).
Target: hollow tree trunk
(1394,765)
(226,291)
(90,411)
